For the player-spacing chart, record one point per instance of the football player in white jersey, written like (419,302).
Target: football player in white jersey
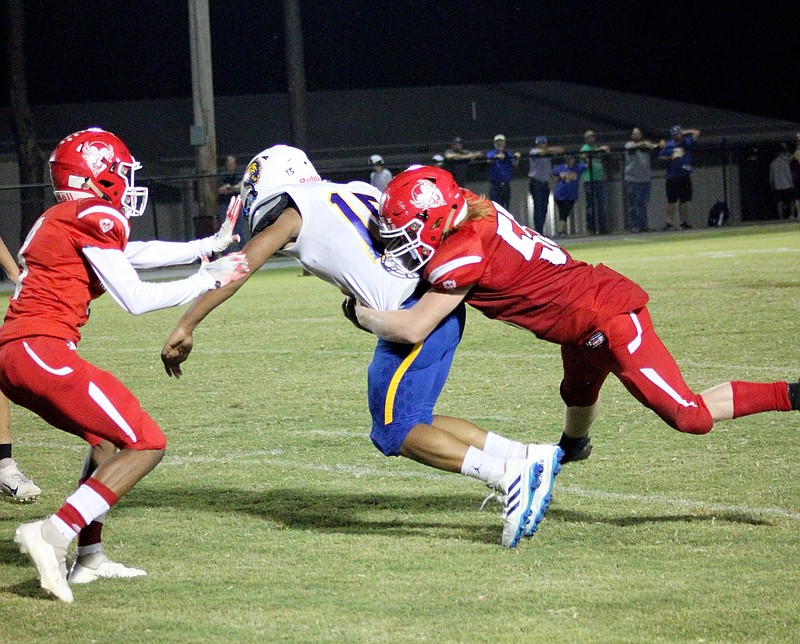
(290,210)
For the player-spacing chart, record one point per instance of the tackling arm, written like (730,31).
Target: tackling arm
(258,250)
(414,324)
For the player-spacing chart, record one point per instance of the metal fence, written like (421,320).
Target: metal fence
(738,175)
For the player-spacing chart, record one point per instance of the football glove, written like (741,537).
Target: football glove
(224,237)
(224,270)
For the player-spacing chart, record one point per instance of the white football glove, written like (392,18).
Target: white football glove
(224,270)
(224,237)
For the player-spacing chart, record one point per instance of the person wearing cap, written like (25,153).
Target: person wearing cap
(457,160)
(379,176)
(438,160)
(638,178)
(501,164)
(539,175)
(677,153)
(566,191)
(594,183)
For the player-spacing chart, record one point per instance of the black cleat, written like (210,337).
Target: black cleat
(794,395)
(575,449)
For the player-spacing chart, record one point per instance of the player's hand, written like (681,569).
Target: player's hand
(224,270)
(176,350)
(349,309)
(224,237)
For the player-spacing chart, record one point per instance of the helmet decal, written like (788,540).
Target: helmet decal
(425,195)
(249,182)
(97,156)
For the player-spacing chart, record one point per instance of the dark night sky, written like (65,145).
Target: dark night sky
(710,53)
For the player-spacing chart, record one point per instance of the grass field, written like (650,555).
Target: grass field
(272,517)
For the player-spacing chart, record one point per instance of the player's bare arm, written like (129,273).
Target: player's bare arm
(258,250)
(414,324)
(8,264)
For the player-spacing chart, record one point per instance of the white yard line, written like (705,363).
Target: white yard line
(261,456)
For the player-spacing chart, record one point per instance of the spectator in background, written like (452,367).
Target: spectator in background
(794,166)
(780,182)
(540,174)
(457,160)
(638,178)
(501,164)
(228,184)
(379,176)
(13,483)
(594,183)
(438,160)
(566,190)
(677,153)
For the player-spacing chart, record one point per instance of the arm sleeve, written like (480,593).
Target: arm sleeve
(135,296)
(155,254)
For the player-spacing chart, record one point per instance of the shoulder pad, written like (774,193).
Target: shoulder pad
(267,212)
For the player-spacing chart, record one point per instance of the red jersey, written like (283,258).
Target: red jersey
(56,282)
(525,279)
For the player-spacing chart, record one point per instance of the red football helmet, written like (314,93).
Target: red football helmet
(417,207)
(96,163)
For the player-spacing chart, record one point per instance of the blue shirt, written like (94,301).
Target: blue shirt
(681,166)
(500,169)
(567,188)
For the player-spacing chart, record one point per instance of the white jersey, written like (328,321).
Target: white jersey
(338,241)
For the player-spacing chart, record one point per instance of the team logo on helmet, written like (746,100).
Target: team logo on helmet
(253,172)
(425,195)
(97,155)
(249,181)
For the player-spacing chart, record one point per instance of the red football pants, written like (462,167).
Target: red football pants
(635,354)
(47,376)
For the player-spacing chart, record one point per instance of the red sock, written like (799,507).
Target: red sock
(90,500)
(755,397)
(91,534)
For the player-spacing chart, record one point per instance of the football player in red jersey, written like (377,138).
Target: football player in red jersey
(74,252)
(331,230)
(469,248)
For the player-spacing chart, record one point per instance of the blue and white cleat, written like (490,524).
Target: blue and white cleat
(548,457)
(515,492)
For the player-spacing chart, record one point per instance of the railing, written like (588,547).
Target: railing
(738,175)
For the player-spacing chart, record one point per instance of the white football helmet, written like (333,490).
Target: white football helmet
(262,195)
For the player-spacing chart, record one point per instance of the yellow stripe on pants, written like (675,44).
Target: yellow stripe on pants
(398,376)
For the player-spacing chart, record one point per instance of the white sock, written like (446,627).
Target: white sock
(482,466)
(85,551)
(502,447)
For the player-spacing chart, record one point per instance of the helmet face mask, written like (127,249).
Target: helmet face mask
(404,251)
(417,208)
(96,163)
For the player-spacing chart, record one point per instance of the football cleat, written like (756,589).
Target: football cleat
(50,561)
(575,449)
(549,457)
(515,491)
(97,565)
(16,485)
(794,395)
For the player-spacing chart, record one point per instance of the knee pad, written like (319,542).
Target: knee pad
(574,396)
(693,420)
